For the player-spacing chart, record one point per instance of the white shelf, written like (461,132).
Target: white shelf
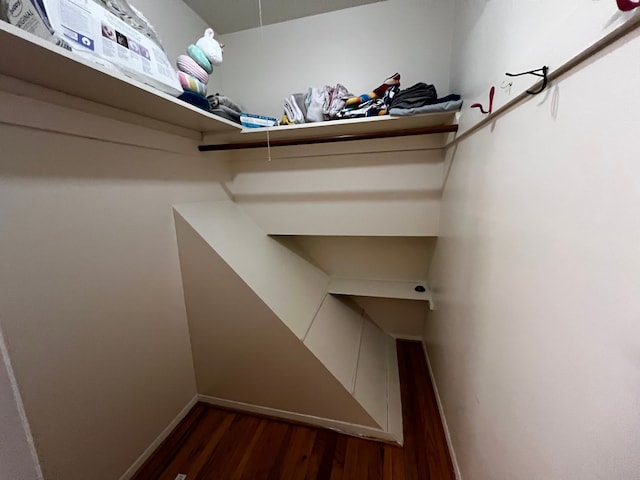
(386,123)
(29,58)
(371,128)
(404,290)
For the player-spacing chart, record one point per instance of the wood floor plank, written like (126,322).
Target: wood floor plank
(227,456)
(173,444)
(387,464)
(217,444)
(298,454)
(249,451)
(339,455)
(267,451)
(202,442)
(426,452)
(393,463)
(415,463)
(322,454)
(363,459)
(196,467)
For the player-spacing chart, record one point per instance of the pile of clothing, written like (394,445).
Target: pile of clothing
(336,102)
(331,103)
(374,103)
(422,98)
(317,105)
(225,107)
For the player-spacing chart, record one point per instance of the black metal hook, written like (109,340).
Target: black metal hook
(538,72)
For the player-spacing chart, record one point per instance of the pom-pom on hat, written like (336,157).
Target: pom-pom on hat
(211,47)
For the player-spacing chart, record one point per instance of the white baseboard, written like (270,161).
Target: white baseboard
(447,435)
(336,425)
(156,443)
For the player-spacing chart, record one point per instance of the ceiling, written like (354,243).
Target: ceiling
(236,15)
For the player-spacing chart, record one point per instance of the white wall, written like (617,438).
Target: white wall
(358,47)
(382,258)
(535,342)
(388,258)
(16,460)
(363,193)
(92,303)
(398,318)
(176,23)
(498,36)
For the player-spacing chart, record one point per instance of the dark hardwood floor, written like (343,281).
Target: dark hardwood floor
(216,444)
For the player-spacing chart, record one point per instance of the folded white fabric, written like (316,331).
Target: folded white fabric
(299,98)
(328,96)
(292,110)
(315,102)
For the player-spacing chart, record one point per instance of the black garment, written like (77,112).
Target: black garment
(226,112)
(418,95)
(218,100)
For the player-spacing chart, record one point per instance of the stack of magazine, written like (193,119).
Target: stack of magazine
(249,120)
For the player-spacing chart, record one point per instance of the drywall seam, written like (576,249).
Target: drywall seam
(335,425)
(447,435)
(304,338)
(131,471)
(355,372)
(20,406)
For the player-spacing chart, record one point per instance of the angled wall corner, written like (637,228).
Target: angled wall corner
(242,350)
(17,455)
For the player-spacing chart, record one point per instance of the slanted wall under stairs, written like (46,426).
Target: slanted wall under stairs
(267,336)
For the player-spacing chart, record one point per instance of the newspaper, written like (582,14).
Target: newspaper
(31,16)
(132,47)
(132,17)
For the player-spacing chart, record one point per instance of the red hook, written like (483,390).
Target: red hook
(492,92)
(627,5)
